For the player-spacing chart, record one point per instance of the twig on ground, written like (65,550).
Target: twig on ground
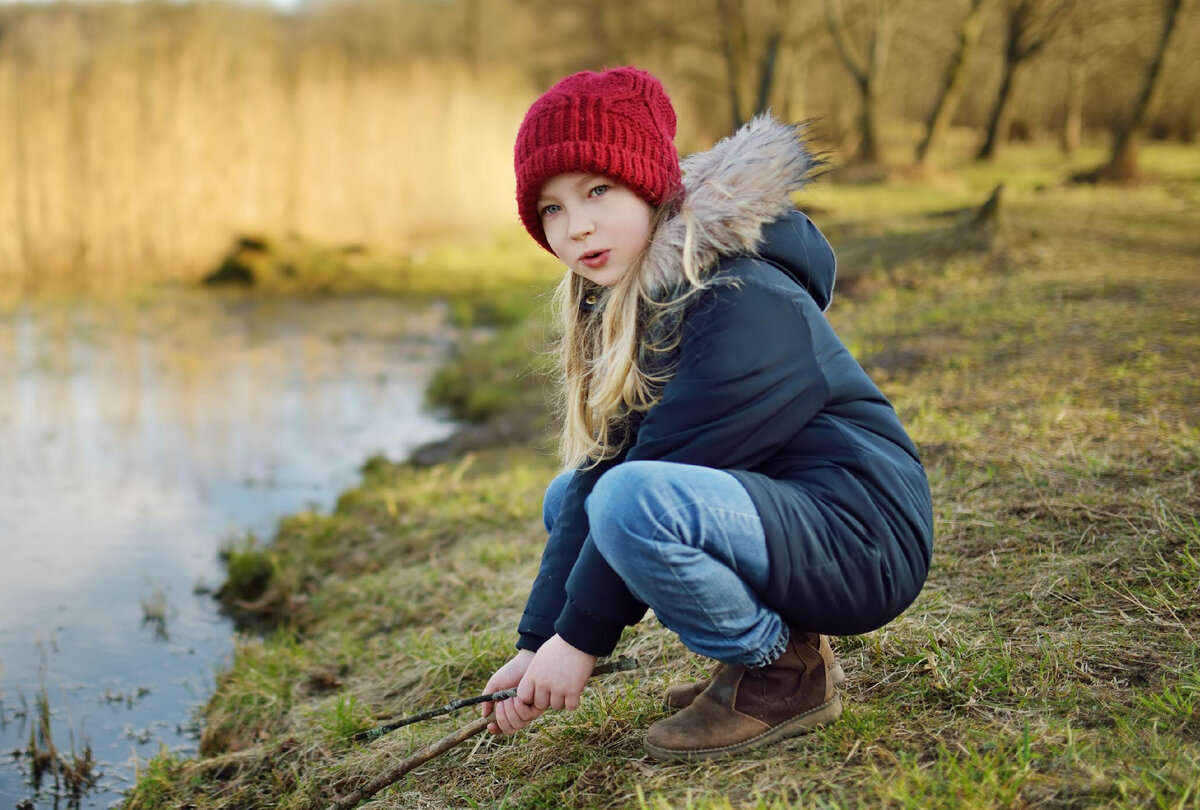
(622,664)
(395,774)
(350,800)
(454,705)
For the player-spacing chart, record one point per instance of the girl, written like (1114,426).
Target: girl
(734,469)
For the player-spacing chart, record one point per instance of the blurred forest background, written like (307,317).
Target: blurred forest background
(137,139)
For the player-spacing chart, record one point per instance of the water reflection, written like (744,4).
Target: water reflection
(133,441)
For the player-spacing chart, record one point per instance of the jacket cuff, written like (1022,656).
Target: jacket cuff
(585,632)
(529,641)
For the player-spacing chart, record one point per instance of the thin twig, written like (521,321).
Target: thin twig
(393,775)
(452,706)
(623,664)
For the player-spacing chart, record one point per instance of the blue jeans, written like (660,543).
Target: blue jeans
(689,543)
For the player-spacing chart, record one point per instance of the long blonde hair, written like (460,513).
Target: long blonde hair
(616,346)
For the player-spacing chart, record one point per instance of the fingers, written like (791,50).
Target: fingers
(512,715)
(526,692)
(541,695)
(544,696)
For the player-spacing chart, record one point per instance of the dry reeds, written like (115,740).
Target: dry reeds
(140,138)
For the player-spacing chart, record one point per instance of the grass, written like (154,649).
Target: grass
(72,772)
(479,274)
(1050,371)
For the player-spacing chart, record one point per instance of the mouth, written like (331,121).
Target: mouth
(595,259)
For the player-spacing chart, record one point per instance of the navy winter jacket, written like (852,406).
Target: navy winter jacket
(766,390)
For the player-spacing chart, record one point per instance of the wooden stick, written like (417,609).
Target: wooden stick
(452,706)
(397,773)
(350,800)
(623,663)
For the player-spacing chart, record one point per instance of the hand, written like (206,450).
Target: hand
(509,716)
(556,676)
(553,678)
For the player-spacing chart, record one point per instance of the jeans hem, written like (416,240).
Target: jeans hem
(773,652)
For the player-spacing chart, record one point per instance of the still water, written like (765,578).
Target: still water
(135,440)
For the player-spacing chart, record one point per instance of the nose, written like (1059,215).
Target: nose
(581,227)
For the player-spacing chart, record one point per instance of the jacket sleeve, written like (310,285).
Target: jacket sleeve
(570,555)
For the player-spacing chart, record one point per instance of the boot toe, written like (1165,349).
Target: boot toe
(703,730)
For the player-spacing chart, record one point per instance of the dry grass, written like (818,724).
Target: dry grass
(1049,372)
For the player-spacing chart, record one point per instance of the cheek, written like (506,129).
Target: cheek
(553,236)
(638,233)
(642,222)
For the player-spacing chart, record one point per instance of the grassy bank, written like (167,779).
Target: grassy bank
(1048,368)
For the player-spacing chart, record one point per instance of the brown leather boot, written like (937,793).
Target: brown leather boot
(681,695)
(747,708)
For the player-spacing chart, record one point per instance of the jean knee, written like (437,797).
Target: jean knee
(621,508)
(553,499)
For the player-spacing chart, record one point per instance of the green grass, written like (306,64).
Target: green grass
(1048,368)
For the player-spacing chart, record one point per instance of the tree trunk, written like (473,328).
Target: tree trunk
(998,122)
(766,73)
(1077,68)
(867,71)
(1001,118)
(471,33)
(733,48)
(751,71)
(868,148)
(795,101)
(1122,166)
(1072,131)
(952,89)
(1030,25)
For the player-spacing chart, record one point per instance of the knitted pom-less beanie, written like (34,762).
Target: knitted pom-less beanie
(618,123)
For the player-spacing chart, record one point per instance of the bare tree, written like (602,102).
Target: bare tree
(1122,165)
(751,71)
(472,32)
(1077,68)
(954,82)
(1029,26)
(867,67)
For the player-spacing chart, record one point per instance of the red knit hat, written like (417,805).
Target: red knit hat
(618,123)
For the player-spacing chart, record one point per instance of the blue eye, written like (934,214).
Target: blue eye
(549,209)
(598,190)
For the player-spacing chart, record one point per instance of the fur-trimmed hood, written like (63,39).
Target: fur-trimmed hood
(737,196)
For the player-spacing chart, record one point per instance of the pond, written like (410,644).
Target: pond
(135,440)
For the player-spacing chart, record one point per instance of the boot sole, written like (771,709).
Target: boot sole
(811,720)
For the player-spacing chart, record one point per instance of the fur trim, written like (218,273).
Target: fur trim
(730,192)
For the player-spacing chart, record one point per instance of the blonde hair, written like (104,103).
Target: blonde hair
(617,345)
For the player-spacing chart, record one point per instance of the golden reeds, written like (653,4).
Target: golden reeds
(137,141)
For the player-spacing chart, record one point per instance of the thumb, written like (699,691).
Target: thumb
(525,691)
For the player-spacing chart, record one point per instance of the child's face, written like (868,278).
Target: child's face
(595,225)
